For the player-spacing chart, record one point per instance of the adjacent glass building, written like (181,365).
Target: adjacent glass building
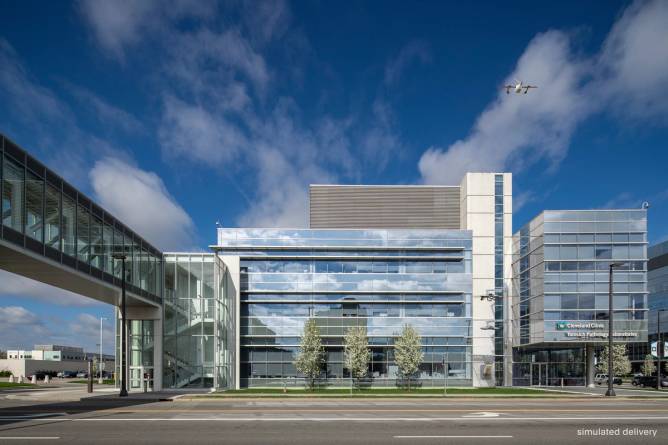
(378,279)
(199,320)
(560,297)
(657,301)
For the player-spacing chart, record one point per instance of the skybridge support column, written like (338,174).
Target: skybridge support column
(591,370)
(154,314)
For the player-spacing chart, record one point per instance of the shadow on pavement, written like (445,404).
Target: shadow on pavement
(56,410)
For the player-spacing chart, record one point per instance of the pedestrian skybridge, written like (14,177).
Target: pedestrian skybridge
(53,233)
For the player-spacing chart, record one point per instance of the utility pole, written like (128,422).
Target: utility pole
(659,347)
(611,391)
(99,363)
(124,340)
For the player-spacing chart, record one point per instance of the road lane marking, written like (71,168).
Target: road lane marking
(371,410)
(482,414)
(31,416)
(353,419)
(30,438)
(452,437)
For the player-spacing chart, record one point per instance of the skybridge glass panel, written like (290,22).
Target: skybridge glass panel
(12,194)
(34,218)
(52,217)
(83,234)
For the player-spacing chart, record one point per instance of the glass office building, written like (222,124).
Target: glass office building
(497,309)
(381,280)
(561,266)
(657,286)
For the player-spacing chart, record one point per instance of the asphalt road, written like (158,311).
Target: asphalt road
(262,421)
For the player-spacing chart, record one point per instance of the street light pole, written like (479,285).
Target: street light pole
(445,378)
(124,370)
(659,346)
(99,363)
(610,392)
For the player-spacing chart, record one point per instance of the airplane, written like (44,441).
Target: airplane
(518,87)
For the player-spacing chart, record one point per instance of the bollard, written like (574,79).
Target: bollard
(33,380)
(11,378)
(47,378)
(90,376)
(21,379)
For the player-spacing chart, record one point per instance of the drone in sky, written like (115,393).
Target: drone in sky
(518,87)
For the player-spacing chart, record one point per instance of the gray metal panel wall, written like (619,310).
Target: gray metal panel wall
(384,207)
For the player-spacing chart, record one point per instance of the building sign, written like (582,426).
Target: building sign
(587,329)
(655,353)
(568,325)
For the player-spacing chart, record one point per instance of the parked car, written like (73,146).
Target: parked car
(39,375)
(82,375)
(67,374)
(601,379)
(650,381)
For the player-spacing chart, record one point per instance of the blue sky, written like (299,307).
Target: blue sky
(175,118)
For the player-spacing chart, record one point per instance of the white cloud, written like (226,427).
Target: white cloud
(214,82)
(22,329)
(287,158)
(413,51)
(17,315)
(118,24)
(106,113)
(192,131)
(519,129)
(26,96)
(141,200)
(44,123)
(629,75)
(379,141)
(266,19)
(633,63)
(85,328)
(207,59)
(16,285)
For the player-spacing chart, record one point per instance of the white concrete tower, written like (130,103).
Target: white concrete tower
(486,209)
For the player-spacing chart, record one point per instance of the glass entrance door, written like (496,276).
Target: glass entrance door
(539,374)
(141,378)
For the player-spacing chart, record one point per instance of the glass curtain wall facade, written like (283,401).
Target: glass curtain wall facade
(499,287)
(377,279)
(657,285)
(560,272)
(44,214)
(197,319)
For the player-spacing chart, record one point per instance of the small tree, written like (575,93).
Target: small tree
(648,366)
(620,360)
(356,352)
(408,352)
(311,353)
